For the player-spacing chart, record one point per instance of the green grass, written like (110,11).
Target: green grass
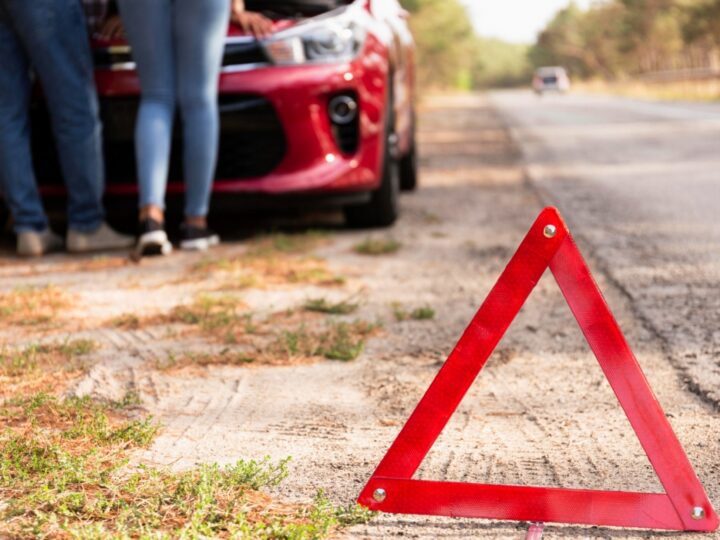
(321,305)
(422,313)
(336,341)
(209,312)
(64,473)
(45,357)
(377,246)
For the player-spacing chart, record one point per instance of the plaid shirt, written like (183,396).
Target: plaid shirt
(96,12)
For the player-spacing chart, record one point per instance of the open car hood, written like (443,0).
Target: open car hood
(281,9)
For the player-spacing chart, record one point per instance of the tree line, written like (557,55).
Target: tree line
(612,39)
(625,38)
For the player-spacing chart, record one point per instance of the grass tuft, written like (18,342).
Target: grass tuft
(321,305)
(337,341)
(423,313)
(126,321)
(377,246)
(45,358)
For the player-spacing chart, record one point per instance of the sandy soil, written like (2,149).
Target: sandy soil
(541,412)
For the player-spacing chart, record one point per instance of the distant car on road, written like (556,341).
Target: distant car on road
(319,113)
(551,79)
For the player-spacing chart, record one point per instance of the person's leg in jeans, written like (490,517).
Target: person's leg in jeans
(199,32)
(148,26)
(16,169)
(53,35)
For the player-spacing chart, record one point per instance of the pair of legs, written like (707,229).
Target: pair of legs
(49,37)
(178,47)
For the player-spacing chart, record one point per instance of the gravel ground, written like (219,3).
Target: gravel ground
(540,413)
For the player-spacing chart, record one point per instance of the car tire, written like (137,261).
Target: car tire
(409,170)
(384,206)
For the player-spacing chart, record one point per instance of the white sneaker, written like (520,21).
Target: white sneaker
(103,238)
(152,240)
(34,243)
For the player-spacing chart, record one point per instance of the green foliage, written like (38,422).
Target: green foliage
(620,38)
(498,63)
(445,42)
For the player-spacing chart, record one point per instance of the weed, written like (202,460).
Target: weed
(342,343)
(418,314)
(377,246)
(45,358)
(208,312)
(337,341)
(127,321)
(321,305)
(422,313)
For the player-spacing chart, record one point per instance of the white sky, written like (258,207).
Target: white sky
(518,21)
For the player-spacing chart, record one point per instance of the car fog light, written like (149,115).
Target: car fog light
(342,110)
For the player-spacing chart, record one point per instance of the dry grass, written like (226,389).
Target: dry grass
(286,338)
(270,261)
(46,366)
(31,306)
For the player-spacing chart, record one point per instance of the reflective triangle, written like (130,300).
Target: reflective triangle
(683,506)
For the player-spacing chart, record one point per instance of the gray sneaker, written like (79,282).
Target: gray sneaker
(103,238)
(34,243)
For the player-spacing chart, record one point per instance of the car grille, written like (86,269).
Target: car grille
(240,53)
(252,141)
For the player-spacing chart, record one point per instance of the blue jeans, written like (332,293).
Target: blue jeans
(178,46)
(49,37)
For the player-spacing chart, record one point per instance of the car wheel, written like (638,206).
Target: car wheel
(384,206)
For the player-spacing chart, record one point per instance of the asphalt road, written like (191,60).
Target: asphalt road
(639,183)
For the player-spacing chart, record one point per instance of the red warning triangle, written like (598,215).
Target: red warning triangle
(683,506)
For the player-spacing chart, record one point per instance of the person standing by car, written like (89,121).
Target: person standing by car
(49,38)
(178,47)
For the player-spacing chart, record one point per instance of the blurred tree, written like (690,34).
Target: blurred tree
(616,38)
(500,64)
(445,40)
(703,22)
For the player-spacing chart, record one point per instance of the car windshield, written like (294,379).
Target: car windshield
(294,8)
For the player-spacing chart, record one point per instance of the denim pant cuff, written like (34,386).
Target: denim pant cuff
(85,227)
(30,228)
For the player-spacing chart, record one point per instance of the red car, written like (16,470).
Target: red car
(319,113)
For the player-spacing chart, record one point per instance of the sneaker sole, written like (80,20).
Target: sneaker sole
(200,244)
(153,244)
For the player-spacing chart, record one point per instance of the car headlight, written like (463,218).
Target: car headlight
(328,40)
